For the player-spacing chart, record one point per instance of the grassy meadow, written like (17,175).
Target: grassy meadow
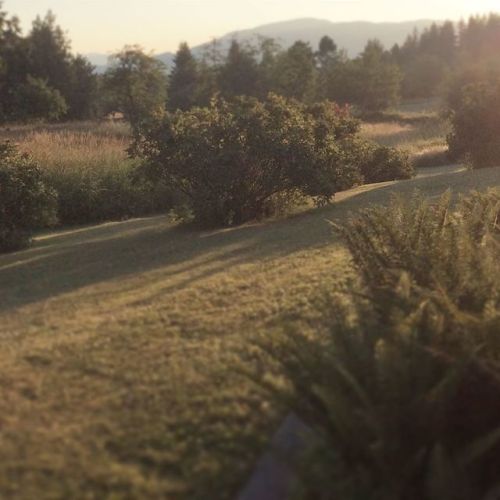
(416,127)
(122,343)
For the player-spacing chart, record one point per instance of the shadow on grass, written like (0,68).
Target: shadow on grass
(68,260)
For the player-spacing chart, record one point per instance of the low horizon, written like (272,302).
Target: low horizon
(171,22)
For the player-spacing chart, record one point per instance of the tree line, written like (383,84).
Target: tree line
(40,78)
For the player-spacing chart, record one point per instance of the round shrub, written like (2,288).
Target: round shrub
(381,164)
(243,160)
(26,203)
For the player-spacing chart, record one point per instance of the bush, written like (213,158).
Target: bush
(26,202)
(243,160)
(475,118)
(403,386)
(381,164)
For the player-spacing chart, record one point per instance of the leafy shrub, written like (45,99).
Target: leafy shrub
(403,386)
(475,118)
(25,201)
(243,160)
(381,163)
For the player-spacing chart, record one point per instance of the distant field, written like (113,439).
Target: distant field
(416,127)
(119,344)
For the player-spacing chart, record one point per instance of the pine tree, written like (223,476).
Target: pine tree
(295,72)
(184,80)
(239,75)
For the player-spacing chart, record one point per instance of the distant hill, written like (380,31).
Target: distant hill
(351,36)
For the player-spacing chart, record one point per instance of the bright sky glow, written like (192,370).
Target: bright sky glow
(159,25)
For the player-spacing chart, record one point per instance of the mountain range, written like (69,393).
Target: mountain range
(351,36)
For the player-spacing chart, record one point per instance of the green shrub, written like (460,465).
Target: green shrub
(243,160)
(89,195)
(26,203)
(475,118)
(402,383)
(381,163)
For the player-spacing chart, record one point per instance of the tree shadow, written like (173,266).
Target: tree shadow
(65,261)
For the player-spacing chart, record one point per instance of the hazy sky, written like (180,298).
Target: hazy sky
(159,25)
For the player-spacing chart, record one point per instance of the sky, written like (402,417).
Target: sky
(105,26)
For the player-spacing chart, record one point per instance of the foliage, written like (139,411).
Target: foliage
(43,55)
(244,159)
(26,202)
(294,72)
(475,119)
(402,384)
(426,59)
(241,160)
(35,100)
(379,81)
(184,80)
(92,175)
(371,81)
(239,75)
(137,85)
(382,163)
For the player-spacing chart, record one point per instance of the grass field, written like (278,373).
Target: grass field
(419,129)
(120,342)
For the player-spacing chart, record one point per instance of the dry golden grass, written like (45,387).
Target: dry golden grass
(104,128)
(417,127)
(119,344)
(78,146)
(419,138)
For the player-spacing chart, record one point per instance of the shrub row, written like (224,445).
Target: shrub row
(231,162)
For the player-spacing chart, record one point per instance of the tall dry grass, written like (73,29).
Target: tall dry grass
(88,166)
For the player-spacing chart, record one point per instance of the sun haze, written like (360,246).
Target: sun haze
(159,25)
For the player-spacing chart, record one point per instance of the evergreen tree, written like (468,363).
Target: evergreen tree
(239,75)
(49,52)
(379,79)
(327,51)
(50,60)
(14,63)
(82,88)
(295,72)
(328,59)
(184,81)
(268,53)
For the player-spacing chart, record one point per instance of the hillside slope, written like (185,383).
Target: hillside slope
(118,346)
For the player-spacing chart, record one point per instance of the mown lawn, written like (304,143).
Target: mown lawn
(120,346)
